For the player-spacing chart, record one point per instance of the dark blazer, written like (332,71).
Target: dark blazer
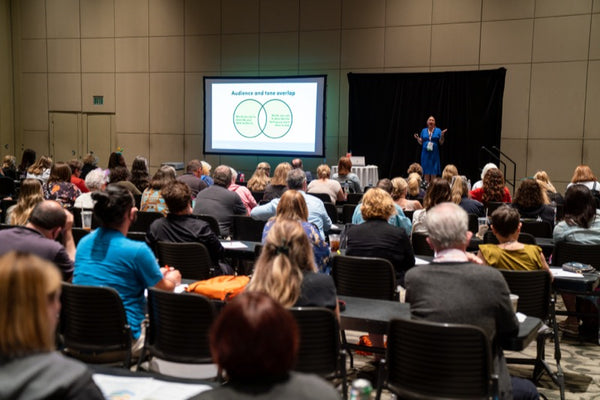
(222,204)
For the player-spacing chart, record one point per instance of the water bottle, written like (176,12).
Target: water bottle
(242,177)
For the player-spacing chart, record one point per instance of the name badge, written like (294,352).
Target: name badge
(429,146)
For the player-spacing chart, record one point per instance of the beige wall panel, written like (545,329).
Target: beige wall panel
(132,55)
(166,54)
(202,17)
(557,100)
(591,149)
(131,18)
(165,148)
(408,12)
(515,109)
(239,16)
(98,85)
(279,15)
(362,48)
(506,41)
(407,46)
(278,50)
(133,144)
(166,103)
(32,18)
(97,18)
(595,38)
(194,102)
(33,55)
(592,106)
(507,9)
(449,11)
(561,38)
(319,49)
(100,137)
(557,157)
(36,140)
(549,8)
(34,102)
(65,135)
(320,14)
(166,17)
(596,7)
(193,145)
(516,149)
(455,44)
(62,18)
(239,52)
(445,68)
(64,92)
(133,102)
(358,14)
(409,69)
(98,55)
(64,55)
(202,53)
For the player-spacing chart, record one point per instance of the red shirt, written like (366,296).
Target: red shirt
(477,194)
(80,183)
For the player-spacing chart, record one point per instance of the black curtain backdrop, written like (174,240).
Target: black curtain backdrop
(385,110)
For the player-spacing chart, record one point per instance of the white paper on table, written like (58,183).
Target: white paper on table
(420,261)
(130,387)
(565,274)
(521,317)
(234,245)
(180,288)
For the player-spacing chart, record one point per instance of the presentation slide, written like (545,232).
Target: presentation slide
(274,115)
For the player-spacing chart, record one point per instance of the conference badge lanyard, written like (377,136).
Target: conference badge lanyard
(429,146)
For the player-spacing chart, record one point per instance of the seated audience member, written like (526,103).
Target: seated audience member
(532,203)
(278,183)
(323,184)
(349,180)
(206,167)
(30,193)
(509,253)
(192,177)
(76,166)
(47,220)
(486,168)
(396,219)
(580,225)
(29,309)
(399,192)
(219,202)
(59,186)
(27,160)
(140,175)
(95,181)
(260,178)
(152,199)
(106,257)
(460,196)
(242,191)
(416,168)
(377,238)
(317,215)
(493,188)
(297,163)
(40,170)
(116,159)
(121,176)
(437,192)
(255,343)
(90,162)
(415,187)
(9,167)
(454,289)
(544,180)
(449,172)
(285,270)
(293,207)
(583,175)
(180,226)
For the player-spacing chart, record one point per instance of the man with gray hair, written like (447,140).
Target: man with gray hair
(317,215)
(455,288)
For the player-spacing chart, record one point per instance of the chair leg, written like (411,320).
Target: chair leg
(380,378)
(348,350)
(344,375)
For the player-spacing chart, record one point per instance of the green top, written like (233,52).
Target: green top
(528,258)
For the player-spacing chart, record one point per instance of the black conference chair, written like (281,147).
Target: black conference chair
(4,206)
(139,236)
(541,229)
(418,365)
(526,238)
(536,299)
(94,326)
(473,223)
(331,212)
(409,214)
(7,187)
(420,245)
(143,221)
(78,234)
(323,196)
(212,222)
(347,213)
(191,259)
(258,196)
(177,327)
(77,218)
(320,349)
(354,198)
(247,228)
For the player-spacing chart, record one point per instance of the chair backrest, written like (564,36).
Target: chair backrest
(473,223)
(143,221)
(409,214)
(420,245)
(77,218)
(347,213)
(191,259)
(319,340)
(93,321)
(258,196)
(78,234)
(526,238)
(331,212)
(491,206)
(354,198)
(541,229)
(139,236)
(436,360)
(323,196)
(369,277)
(247,228)
(212,222)
(178,326)
(583,253)
(534,290)
(4,206)
(137,199)
(7,186)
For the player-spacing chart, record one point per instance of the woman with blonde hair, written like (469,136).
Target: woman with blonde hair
(460,196)
(29,195)
(40,169)
(415,190)
(544,180)
(278,183)
(29,309)
(399,192)
(325,185)
(449,172)
(286,269)
(260,179)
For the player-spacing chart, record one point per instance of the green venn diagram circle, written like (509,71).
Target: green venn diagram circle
(273,119)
